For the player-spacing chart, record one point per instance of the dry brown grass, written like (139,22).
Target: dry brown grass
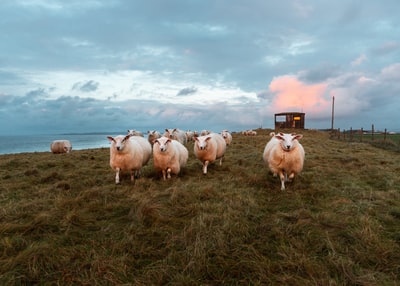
(64,221)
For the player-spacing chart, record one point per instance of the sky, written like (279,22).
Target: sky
(112,65)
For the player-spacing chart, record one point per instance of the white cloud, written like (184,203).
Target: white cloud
(358,61)
(202,60)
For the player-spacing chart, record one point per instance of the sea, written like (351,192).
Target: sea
(13,144)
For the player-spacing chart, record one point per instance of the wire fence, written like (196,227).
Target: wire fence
(382,139)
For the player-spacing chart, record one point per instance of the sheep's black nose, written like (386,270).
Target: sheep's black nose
(288,147)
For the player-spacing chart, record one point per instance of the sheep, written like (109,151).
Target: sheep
(128,153)
(60,146)
(227,137)
(152,135)
(204,132)
(134,132)
(176,134)
(169,156)
(284,156)
(209,148)
(249,133)
(190,135)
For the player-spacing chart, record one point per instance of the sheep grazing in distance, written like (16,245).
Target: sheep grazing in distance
(133,132)
(60,146)
(176,134)
(209,148)
(249,133)
(169,156)
(128,153)
(227,136)
(152,135)
(284,156)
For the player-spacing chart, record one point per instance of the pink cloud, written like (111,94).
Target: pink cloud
(293,95)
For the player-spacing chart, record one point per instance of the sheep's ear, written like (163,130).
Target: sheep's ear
(110,139)
(208,138)
(298,136)
(126,137)
(279,136)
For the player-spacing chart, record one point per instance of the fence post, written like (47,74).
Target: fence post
(384,136)
(351,133)
(362,133)
(344,134)
(373,131)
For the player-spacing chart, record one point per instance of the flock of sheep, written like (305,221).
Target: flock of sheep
(283,154)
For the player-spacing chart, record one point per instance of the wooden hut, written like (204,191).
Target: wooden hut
(289,120)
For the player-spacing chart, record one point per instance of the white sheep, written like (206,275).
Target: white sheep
(190,135)
(176,134)
(152,135)
(249,133)
(209,148)
(169,156)
(128,153)
(134,132)
(204,132)
(60,146)
(227,136)
(284,156)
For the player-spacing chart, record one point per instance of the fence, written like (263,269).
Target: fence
(382,139)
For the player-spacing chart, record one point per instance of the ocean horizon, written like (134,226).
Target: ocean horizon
(14,144)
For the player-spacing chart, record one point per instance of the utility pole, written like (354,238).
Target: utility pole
(333,111)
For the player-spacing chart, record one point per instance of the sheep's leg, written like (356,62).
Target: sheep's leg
(169,173)
(133,175)
(117,175)
(164,174)
(282,177)
(291,177)
(220,161)
(205,164)
(137,174)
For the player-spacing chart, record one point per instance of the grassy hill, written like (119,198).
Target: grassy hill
(64,221)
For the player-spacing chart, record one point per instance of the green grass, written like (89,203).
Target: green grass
(64,221)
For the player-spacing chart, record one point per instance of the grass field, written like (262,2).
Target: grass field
(64,221)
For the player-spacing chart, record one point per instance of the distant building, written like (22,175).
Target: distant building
(289,120)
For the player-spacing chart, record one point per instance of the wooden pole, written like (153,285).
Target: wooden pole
(333,111)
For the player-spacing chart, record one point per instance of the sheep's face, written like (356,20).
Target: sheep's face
(163,143)
(169,133)
(224,133)
(201,142)
(67,149)
(152,133)
(118,142)
(288,141)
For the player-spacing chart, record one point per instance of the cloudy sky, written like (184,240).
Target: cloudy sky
(108,65)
